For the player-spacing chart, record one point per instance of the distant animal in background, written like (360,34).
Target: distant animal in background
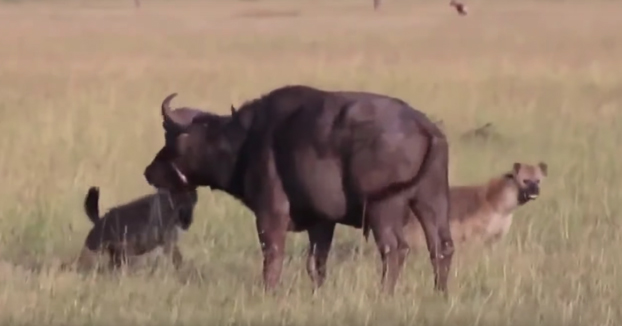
(485,211)
(486,132)
(376,4)
(459,6)
(487,135)
(137,227)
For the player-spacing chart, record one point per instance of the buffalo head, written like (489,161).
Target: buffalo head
(203,152)
(175,120)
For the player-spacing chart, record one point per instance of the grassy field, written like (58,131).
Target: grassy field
(80,89)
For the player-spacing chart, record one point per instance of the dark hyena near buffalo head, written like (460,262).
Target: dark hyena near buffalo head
(137,227)
(305,159)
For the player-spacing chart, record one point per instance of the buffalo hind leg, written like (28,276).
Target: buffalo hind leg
(433,217)
(320,241)
(385,218)
(272,230)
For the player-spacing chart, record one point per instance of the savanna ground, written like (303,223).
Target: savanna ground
(80,89)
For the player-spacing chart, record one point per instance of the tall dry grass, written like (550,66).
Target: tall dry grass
(80,86)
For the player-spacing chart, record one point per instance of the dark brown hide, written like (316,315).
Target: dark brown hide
(305,159)
(137,227)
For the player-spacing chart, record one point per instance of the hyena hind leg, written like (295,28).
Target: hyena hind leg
(86,261)
(172,250)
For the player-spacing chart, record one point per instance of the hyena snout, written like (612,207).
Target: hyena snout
(532,189)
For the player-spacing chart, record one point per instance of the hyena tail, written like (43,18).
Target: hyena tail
(91,204)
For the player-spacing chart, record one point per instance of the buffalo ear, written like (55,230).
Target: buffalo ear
(182,144)
(544,168)
(516,167)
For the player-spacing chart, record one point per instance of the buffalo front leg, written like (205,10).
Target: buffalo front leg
(320,240)
(272,211)
(433,216)
(386,218)
(272,230)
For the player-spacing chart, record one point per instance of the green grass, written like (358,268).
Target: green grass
(81,84)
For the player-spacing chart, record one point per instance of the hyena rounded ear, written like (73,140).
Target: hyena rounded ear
(182,144)
(516,167)
(543,167)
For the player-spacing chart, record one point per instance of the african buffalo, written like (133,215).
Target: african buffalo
(305,159)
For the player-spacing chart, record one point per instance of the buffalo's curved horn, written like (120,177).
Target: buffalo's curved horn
(167,113)
(232,110)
